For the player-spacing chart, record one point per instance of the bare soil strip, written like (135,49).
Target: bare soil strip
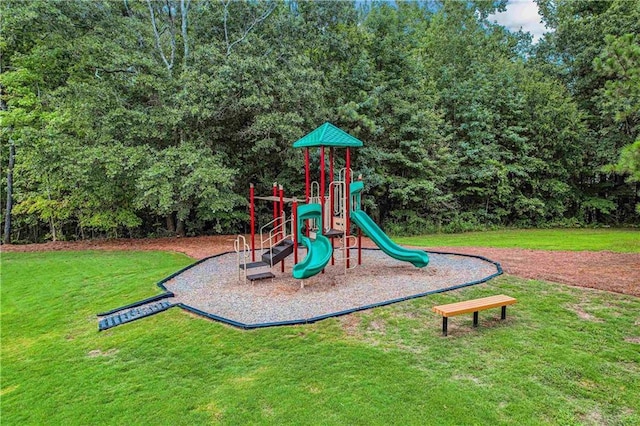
(617,272)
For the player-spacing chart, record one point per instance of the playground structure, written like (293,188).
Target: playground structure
(321,224)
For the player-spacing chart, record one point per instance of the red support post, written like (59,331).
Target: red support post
(331,178)
(281,222)
(360,232)
(307,183)
(322,189)
(322,192)
(347,207)
(331,198)
(252,210)
(359,246)
(281,209)
(275,204)
(307,176)
(294,230)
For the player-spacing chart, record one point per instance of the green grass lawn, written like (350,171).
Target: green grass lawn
(617,240)
(563,356)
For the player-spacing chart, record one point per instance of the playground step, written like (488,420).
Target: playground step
(280,251)
(284,243)
(260,276)
(332,233)
(254,265)
(126,315)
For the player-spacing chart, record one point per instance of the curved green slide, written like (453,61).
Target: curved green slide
(417,257)
(318,250)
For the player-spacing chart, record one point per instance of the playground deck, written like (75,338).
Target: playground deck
(211,288)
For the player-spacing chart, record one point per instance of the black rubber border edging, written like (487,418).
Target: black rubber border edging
(157,297)
(138,303)
(333,314)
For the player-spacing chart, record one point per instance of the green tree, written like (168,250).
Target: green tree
(621,98)
(581,30)
(188,183)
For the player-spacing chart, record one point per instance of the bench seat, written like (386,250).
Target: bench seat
(475,305)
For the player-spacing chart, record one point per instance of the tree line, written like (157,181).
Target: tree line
(138,118)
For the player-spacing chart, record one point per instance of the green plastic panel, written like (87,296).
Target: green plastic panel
(318,255)
(318,250)
(328,135)
(418,258)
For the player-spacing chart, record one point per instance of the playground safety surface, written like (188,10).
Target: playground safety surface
(211,287)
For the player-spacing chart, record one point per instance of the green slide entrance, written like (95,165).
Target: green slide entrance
(318,250)
(416,257)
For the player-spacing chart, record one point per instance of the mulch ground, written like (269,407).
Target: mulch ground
(617,272)
(213,286)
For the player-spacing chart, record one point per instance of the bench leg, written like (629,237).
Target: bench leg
(504,313)
(444,326)
(475,319)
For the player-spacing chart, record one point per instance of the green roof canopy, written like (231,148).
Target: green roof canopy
(328,135)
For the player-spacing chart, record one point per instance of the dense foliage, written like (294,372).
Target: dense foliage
(145,118)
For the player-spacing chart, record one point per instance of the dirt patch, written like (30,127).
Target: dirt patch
(350,324)
(635,340)
(582,314)
(617,272)
(196,247)
(604,270)
(377,326)
(97,352)
(594,417)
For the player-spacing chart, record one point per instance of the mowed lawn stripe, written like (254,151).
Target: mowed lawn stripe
(616,240)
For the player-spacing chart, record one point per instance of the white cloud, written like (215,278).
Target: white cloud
(521,14)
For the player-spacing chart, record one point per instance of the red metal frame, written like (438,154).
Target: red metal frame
(275,204)
(281,210)
(331,177)
(307,176)
(307,184)
(347,207)
(294,228)
(359,246)
(322,189)
(252,213)
(281,222)
(360,232)
(331,199)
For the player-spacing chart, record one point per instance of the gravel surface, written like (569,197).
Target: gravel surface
(213,286)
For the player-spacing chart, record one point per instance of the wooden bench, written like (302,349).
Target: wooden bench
(474,306)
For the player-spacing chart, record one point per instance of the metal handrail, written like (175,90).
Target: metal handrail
(338,188)
(341,251)
(240,239)
(272,223)
(313,223)
(315,185)
(342,174)
(275,228)
(276,231)
(314,198)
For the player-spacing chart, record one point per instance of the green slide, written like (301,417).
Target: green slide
(318,250)
(417,257)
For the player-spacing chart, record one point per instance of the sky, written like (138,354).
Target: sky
(521,14)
